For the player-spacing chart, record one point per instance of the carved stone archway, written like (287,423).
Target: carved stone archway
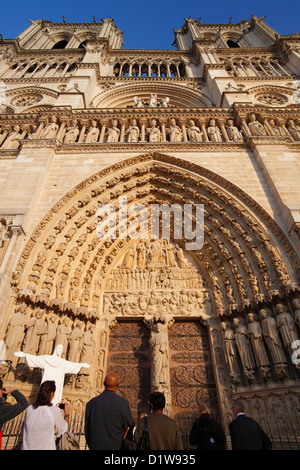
(66,270)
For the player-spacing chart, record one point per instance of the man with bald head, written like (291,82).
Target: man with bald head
(107,417)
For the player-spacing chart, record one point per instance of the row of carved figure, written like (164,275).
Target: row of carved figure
(250,344)
(39,334)
(133,131)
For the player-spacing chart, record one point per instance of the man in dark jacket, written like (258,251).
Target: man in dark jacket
(107,417)
(8,412)
(247,434)
(207,433)
(163,431)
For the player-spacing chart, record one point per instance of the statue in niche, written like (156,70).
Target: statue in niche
(72,133)
(165,102)
(194,133)
(175,132)
(13,140)
(277,130)
(159,352)
(51,129)
(15,331)
(271,336)
(113,133)
(47,343)
(230,353)
(87,351)
(133,132)
(75,341)
(213,132)
(296,307)
(256,128)
(180,257)
(287,328)
(54,368)
(156,254)
(92,134)
(256,338)
(244,349)
(153,101)
(154,132)
(62,334)
(138,102)
(233,133)
(293,129)
(35,328)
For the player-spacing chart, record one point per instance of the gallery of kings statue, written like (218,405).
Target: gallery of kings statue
(213,123)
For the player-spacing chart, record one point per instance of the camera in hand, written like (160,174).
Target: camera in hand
(61,406)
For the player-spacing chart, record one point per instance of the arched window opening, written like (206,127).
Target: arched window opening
(181,69)
(144,70)
(125,70)
(173,71)
(117,68)
(60,44)
(163,70)
(135,70)
(231,43)
(82,45)
(154,71)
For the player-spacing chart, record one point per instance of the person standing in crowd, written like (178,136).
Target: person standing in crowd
(207,433)
(7,411)
(107,417)
(42,418)
(163,431)
(245,432)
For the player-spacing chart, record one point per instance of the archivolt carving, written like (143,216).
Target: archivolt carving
(241,259)
(122,96)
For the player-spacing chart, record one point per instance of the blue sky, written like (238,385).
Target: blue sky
(149,24)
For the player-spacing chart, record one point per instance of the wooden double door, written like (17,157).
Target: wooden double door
(191,373)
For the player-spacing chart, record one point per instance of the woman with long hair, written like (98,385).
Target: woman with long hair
(43,419)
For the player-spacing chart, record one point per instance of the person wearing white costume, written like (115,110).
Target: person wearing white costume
(55,368)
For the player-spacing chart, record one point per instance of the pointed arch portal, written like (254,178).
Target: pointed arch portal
(117,291)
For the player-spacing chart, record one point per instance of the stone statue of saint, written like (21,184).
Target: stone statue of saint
(175,132)
(287,327)
(271,336)
(256,337)
(133,132)
(194,133)
(13,140)
(160,355)
(230,353)
(294,129)
(213,132)
(233,133)
(51,130)
(54,367)
(244,348)
(256,128)
(154,132)
(92,134)
(72,133)
(113,133)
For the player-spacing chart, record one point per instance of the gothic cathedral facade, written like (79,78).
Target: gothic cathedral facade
(213,124)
